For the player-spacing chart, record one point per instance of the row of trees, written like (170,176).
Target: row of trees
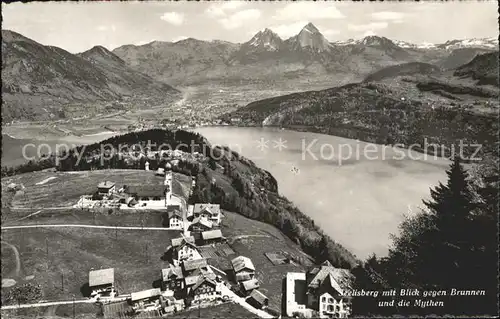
(451,244)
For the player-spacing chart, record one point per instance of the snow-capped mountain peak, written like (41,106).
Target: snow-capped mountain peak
(266,39)
(487,43)
(310,37)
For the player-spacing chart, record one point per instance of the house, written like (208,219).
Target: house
(146,192)
(249,285)
(320,289)
(183,249)
(195,267)
(325,293)
(106,188)
(211,236)
(257,299)
(175,218)
(208,211)
(160,172)
(101,282)
(146,300)
(200,225)
(205,288)
(172,278)
(243,268)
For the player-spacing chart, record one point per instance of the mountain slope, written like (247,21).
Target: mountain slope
(483,68)
(398,108)
(38,80)
(402,69)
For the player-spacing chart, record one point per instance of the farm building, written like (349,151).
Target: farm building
(243,268)
(205,288)
(195,267)
(208,211)
(146,300)
(183,249)
(160,172)
(257,299)
(200,225)
(175,218)
(106,188)
(146,192)
(101,282)
(211,236)
(172,278)
(249,285)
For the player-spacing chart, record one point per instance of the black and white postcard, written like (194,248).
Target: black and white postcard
(249,159)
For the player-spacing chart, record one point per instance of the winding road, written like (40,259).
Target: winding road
(16,255)
(86,226)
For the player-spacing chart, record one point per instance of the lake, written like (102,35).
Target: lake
(356,192)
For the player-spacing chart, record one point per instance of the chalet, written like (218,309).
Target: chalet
(257,299)
(325,293)
(195,267)
(243,268)
(175,218)
(160,172)
(106,188)
(249,285)
(208,211)
(205,288)
(200,225)
(183,249)
(172,278)
(147,192)
(211,236)
(146,300)
(101,282)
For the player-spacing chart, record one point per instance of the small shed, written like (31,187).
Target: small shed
(105,187)
(257,299)
(249,285)
(211,236)
(101,280)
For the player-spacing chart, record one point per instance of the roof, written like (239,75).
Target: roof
(179,241)
(211,234)
(204,278)
(202,221)
(189,265)
(172,271)
(250,284)
(147,190)
(337,278)
(241,262)
(242,276)
(101,277)
(258,296)
(174,212)
(106,184)
(213,209)
(145,294)
(191,280)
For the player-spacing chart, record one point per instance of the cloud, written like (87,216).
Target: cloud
(368,27)
(221,9)
(173,18)
(330,32)
(239,18)
(388,15)
(179,38)
(288,30)
(144,42)
(369,33)
(307,10)
(106,28)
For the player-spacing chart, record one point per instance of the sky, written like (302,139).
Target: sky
(78,26)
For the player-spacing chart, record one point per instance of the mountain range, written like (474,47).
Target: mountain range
(41,82)
(46,82)
(269,59)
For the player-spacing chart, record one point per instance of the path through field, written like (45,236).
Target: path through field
(86,226)
(16,255)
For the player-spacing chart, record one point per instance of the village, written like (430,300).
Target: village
(190,281)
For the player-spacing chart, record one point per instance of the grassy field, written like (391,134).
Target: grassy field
(82,311)
(224,311)
(67,187)
(72,252)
